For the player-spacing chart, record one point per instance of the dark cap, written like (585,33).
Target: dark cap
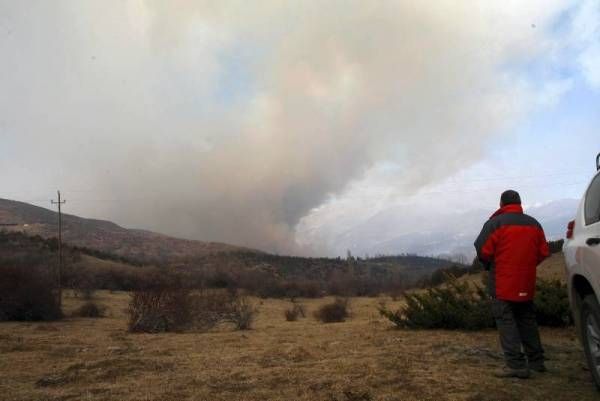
(510,197)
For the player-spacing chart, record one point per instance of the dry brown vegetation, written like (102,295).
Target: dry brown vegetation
(333,312)
(360,359)
(167,309)
(295,312)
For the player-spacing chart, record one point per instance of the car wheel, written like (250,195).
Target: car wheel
(590,333)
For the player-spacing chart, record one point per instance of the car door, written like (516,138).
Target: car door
(589,253)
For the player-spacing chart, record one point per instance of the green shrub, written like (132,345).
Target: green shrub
(552,304)
(454,306)
(464,306)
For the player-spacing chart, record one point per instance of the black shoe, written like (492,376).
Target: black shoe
(507,372)
(539,368)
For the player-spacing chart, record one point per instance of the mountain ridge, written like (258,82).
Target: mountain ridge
(106,236)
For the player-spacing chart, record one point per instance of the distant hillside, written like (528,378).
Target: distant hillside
(82,267)
(106,236)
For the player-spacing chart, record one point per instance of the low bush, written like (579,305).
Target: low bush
(179,309)
(552,304)
(160,310)
(243,313)
(89,309)
(27,294)
(296,311)
(291,315)
(453,306)
(337,311)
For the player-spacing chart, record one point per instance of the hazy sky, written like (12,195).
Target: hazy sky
(273,124)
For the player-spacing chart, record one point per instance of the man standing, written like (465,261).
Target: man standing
(510,246)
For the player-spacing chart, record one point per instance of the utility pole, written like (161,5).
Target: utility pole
(60,256)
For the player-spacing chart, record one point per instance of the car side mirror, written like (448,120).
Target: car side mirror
(598,162)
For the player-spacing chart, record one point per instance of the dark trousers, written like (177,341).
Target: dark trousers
(518,332)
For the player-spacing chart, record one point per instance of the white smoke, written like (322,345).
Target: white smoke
(230,121)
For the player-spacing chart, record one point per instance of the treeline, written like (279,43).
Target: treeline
(261,274)
(318,267)
(287,276)
(342,282)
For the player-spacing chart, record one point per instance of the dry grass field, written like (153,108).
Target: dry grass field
(361,359)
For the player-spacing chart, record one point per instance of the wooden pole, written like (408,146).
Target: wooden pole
(60,255)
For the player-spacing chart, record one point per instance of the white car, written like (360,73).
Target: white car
(582,256)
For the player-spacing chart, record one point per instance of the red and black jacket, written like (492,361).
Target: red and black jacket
(511,245)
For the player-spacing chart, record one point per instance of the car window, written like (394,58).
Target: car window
(592,202)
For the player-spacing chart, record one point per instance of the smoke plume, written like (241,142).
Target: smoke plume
(230,121)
